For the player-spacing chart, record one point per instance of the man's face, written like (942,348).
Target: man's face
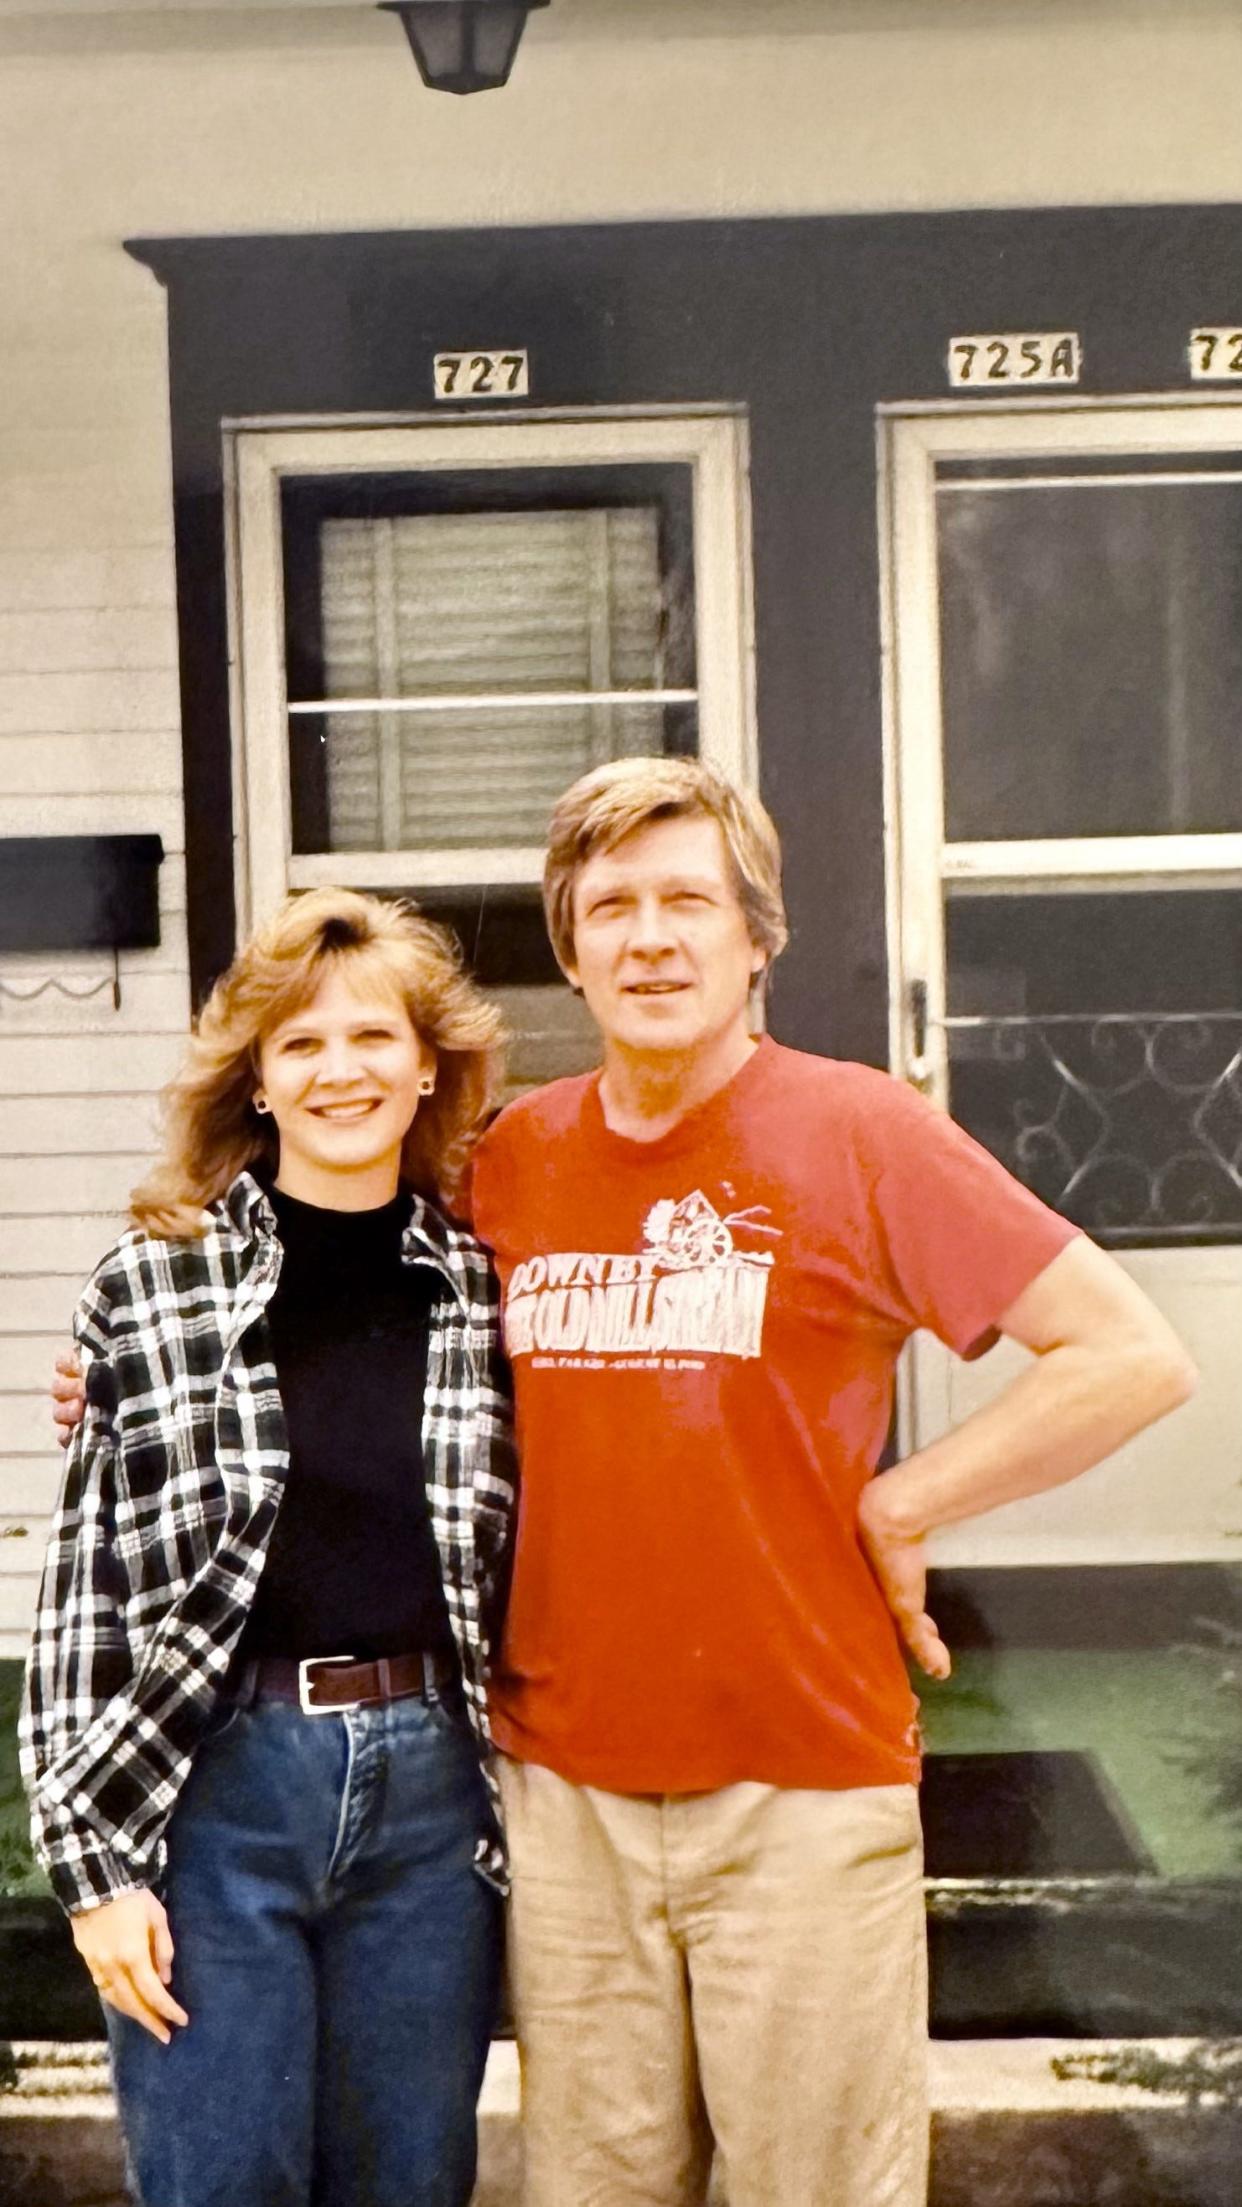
(661,948)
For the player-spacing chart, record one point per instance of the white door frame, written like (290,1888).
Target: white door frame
(713,443)
(934,1392)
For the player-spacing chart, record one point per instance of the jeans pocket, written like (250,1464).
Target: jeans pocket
(221,1721)
(448,1714)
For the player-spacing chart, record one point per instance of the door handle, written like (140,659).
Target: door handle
(919,1070)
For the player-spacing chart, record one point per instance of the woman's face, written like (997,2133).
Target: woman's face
(341,1077)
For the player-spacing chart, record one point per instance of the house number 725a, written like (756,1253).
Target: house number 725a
(1014,356)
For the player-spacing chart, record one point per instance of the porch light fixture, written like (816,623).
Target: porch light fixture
(463,45)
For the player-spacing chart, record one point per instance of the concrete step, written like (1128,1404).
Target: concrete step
(1007,2132)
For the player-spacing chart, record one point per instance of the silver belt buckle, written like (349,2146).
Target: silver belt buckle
(311,1708)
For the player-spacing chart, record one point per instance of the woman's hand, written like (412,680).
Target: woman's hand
(127,1947)
(68,1396)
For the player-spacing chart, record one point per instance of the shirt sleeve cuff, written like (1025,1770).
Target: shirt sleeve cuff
(90,1879)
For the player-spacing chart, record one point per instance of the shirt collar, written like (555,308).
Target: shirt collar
(246,1207)
(428,1235)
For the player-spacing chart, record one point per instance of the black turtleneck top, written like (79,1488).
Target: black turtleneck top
(352,1567)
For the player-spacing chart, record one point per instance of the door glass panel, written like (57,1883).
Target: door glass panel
(1095,1047)
(1091,628)
(460,648)
(1091,679)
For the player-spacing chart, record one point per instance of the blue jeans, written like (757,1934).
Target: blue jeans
(338,1958)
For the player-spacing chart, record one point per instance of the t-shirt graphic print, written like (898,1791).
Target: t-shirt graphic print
(697,1288)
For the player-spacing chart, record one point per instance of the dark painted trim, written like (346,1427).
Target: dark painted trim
(808,323)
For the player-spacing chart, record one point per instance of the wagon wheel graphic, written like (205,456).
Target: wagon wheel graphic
(698,1240)
(708,1241)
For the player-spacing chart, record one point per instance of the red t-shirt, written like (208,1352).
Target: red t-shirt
(703,1332)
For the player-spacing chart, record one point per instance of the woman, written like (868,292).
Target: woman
(254,1732)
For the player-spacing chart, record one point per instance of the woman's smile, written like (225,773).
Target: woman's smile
(343,1077)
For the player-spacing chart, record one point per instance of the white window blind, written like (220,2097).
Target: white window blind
(476,663)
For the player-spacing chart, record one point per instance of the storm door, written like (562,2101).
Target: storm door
(1065,783)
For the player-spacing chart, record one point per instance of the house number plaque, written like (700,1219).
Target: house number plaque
(1215,354)
(482,375)
(994,362)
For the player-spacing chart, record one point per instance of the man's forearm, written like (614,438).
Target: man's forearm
(1106,1363)
(1071,1407)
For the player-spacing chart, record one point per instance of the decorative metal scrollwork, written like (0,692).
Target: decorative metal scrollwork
(1128,1123)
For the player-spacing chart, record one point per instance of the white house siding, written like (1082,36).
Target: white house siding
(88,743)
(118,120)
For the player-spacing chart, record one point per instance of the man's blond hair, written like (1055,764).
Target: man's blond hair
(614,801)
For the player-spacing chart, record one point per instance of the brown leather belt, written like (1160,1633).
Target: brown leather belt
(327,1685)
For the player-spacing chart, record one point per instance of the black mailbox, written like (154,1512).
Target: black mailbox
(80,892)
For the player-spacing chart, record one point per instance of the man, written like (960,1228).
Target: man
(712,1252)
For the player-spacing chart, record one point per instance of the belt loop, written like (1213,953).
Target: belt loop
(248,1685)
(385,1678)
(430,1690)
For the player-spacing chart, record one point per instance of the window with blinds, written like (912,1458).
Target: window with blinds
(466,666)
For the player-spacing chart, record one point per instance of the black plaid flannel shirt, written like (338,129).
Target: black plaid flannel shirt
(171,1490)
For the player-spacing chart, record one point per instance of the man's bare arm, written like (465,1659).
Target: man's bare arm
(1106,1365)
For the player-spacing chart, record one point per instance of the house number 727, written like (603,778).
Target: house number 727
(482,375)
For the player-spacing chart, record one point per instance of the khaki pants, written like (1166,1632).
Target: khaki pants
(746,1966)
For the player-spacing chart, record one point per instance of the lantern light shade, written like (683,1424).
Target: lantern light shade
(463,45)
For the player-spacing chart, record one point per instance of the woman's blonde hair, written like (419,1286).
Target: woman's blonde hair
(614,801)
(211,1128)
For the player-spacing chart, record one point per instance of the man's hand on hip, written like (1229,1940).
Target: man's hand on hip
(1104,1363)
(899,1561)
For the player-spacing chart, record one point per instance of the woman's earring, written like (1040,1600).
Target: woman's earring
(261,1104)
(427,1084)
